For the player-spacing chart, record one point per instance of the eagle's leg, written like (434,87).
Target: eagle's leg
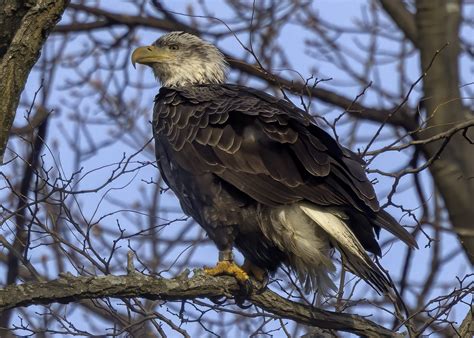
(227,266)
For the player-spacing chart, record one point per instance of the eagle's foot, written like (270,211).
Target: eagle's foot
(229,268)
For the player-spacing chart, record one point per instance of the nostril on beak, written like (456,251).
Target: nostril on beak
(149,49)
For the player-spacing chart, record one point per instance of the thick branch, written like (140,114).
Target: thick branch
(466,329)
(357,110)
(20,56)
(11,14)
(69,289)
(402,18)
(438,24)
(108,19)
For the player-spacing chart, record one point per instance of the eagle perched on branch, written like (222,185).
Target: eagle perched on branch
(257,173)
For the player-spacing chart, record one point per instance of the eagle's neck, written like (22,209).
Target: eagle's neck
(192,72)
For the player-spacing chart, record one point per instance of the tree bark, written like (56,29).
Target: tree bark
(24,27)
(466,330)
(437,24)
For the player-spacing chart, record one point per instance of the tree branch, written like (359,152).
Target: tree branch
(20,56)
(466,329)
(400,119)
(438,24)
(402,18)
(34,122)
(70,289)
(108,19)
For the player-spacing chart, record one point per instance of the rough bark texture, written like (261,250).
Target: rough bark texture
(438,24)
(24,27)
(70,289)
(466,330)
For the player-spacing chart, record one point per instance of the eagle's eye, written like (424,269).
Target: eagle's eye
(173,47)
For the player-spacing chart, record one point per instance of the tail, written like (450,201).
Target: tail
(354,255)
(386,221)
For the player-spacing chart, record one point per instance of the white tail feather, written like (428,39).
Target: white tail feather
(357,260)
(304,232)
(335,227)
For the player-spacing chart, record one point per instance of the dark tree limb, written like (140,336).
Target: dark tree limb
(400,119)
(107,19)
(21,240)
(71,289)
(402,18)
(25,28)
(438,24)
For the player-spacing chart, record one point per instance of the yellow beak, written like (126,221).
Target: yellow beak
(148,55)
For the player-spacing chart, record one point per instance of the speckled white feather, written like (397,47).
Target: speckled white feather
(306,245)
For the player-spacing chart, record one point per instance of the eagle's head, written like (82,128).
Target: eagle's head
(181,59)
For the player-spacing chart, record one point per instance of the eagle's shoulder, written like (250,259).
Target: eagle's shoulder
(183,110)
(234,97)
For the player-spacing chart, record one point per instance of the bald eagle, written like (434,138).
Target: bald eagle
(259,174)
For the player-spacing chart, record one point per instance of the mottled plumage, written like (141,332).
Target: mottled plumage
(257,173)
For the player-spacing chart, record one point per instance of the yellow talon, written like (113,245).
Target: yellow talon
(228,268)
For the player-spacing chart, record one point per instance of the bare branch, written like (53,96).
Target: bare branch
(70,289)
(35,121)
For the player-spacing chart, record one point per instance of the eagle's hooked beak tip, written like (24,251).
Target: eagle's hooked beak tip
(136,56)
